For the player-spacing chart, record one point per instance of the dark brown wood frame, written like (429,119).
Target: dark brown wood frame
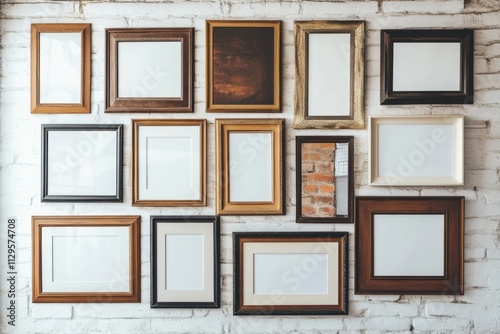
(136,124)
(223,204)
(60,108)
(134,225)
(452,283)
(243,107)
(114,103)
(299,140)
(464,96)
(240,238)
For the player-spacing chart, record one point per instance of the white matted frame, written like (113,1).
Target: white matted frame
(185,268)
(249,159)
(82,163)
(266,282)
(60,68)
(169,162)
(86,259)
(416,151)
(329,67)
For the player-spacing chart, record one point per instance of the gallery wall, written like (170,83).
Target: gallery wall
(477,311)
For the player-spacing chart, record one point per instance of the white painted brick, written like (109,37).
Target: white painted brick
(441,324)
(41,311)
(429,6)
(393,309)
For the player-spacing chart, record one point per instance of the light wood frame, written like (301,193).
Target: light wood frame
(132,223)
(115,103)
(451,283)
(248,244)
(223,128)
(457,163)
(356,118)
(242,105)
(83,106)
(136,125)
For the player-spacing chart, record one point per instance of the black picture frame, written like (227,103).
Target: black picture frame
(346,186)
(85,148)
(185,222)
(300,304)
(388,96)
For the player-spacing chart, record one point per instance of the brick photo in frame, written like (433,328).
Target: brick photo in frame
(325,179)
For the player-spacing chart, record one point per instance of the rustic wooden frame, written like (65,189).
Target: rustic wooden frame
(242,106)
(133,225)
(115,103)
(356,119)
(240,307)
(136,125)
(223,127)
(61,108)
(451,283)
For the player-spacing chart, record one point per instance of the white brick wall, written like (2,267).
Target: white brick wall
(478,311)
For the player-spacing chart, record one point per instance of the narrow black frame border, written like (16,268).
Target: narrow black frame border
(290,309)
(299,140)
(46,128)
(215,220)
(464,96)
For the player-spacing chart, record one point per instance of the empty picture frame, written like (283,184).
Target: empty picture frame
(60,68)
(416,151)
(409,245)
(169,162)
(149,70)
(243,70)
(290,273)
(249,159)
(82,163)
(325,179)
(86,259)
(427,66)
(185,267)
(329,71)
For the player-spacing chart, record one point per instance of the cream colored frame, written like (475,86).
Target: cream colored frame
(456,179)
(356,120)
(134,225)
(60,108)
(136,124)
(222,129)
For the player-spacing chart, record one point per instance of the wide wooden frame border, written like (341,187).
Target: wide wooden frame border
(209,71)
(239,307)
(299,140)
(118,128)
(60,108)
(222,129)
(215,220)
(356,120)
(114,103)
(134,225)
(463,96)
(136,123)
(458,164)
(452,283)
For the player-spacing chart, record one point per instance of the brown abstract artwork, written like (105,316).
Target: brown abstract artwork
(243,65)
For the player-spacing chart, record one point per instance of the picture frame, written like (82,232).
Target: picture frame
(427,66)
(250,177)
(99,259)
(243,66)
(60,68)
(324,179)
(82,163)
(185,262)
(266,284)
(169,162)
(409,245)
(149,70)
(429,151)
(329,72)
